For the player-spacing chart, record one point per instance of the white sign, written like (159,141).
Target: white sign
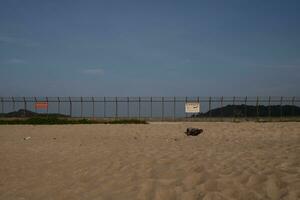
(192,107)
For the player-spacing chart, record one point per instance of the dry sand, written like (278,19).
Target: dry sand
(156,161)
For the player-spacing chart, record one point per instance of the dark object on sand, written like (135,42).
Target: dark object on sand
(193,131)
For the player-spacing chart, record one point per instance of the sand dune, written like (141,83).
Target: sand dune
(155,161)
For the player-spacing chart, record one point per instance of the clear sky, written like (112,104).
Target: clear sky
(143,48)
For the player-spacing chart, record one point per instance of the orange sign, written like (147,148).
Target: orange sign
(41,105)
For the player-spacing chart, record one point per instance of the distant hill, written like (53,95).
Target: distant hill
(28,113)
(251,111)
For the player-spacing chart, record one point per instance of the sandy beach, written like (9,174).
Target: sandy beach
(154,161)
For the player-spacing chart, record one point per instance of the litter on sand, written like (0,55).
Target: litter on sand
(193,131)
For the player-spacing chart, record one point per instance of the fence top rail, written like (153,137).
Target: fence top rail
(190,97)
(233,99)
(236,99)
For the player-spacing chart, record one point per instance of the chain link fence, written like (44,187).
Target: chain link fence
(153,108)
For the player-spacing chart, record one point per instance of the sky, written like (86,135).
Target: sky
(149,48)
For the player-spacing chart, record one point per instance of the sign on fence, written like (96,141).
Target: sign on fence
(41,105)
(192,107)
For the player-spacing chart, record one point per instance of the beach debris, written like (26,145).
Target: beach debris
(27,138)
(193,131)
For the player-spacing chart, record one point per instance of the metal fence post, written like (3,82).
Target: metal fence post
(281,99)
(35,100)
(186,112)
(162,108)
(174,108)
(47,106)
(222,108)
(104,107)
(128,107)
(2,105)
(14,103)
(58,105)
(70,106)
(257,108)
(246,98)
(81,107)
(269,105)
(93,100)
(198,100)
(151,107)
(25,105)
(209,107)
(139,107)
(116,107)
(233,103)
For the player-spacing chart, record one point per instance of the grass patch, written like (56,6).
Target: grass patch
(56,121)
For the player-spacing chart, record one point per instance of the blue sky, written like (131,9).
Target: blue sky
(143,48)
